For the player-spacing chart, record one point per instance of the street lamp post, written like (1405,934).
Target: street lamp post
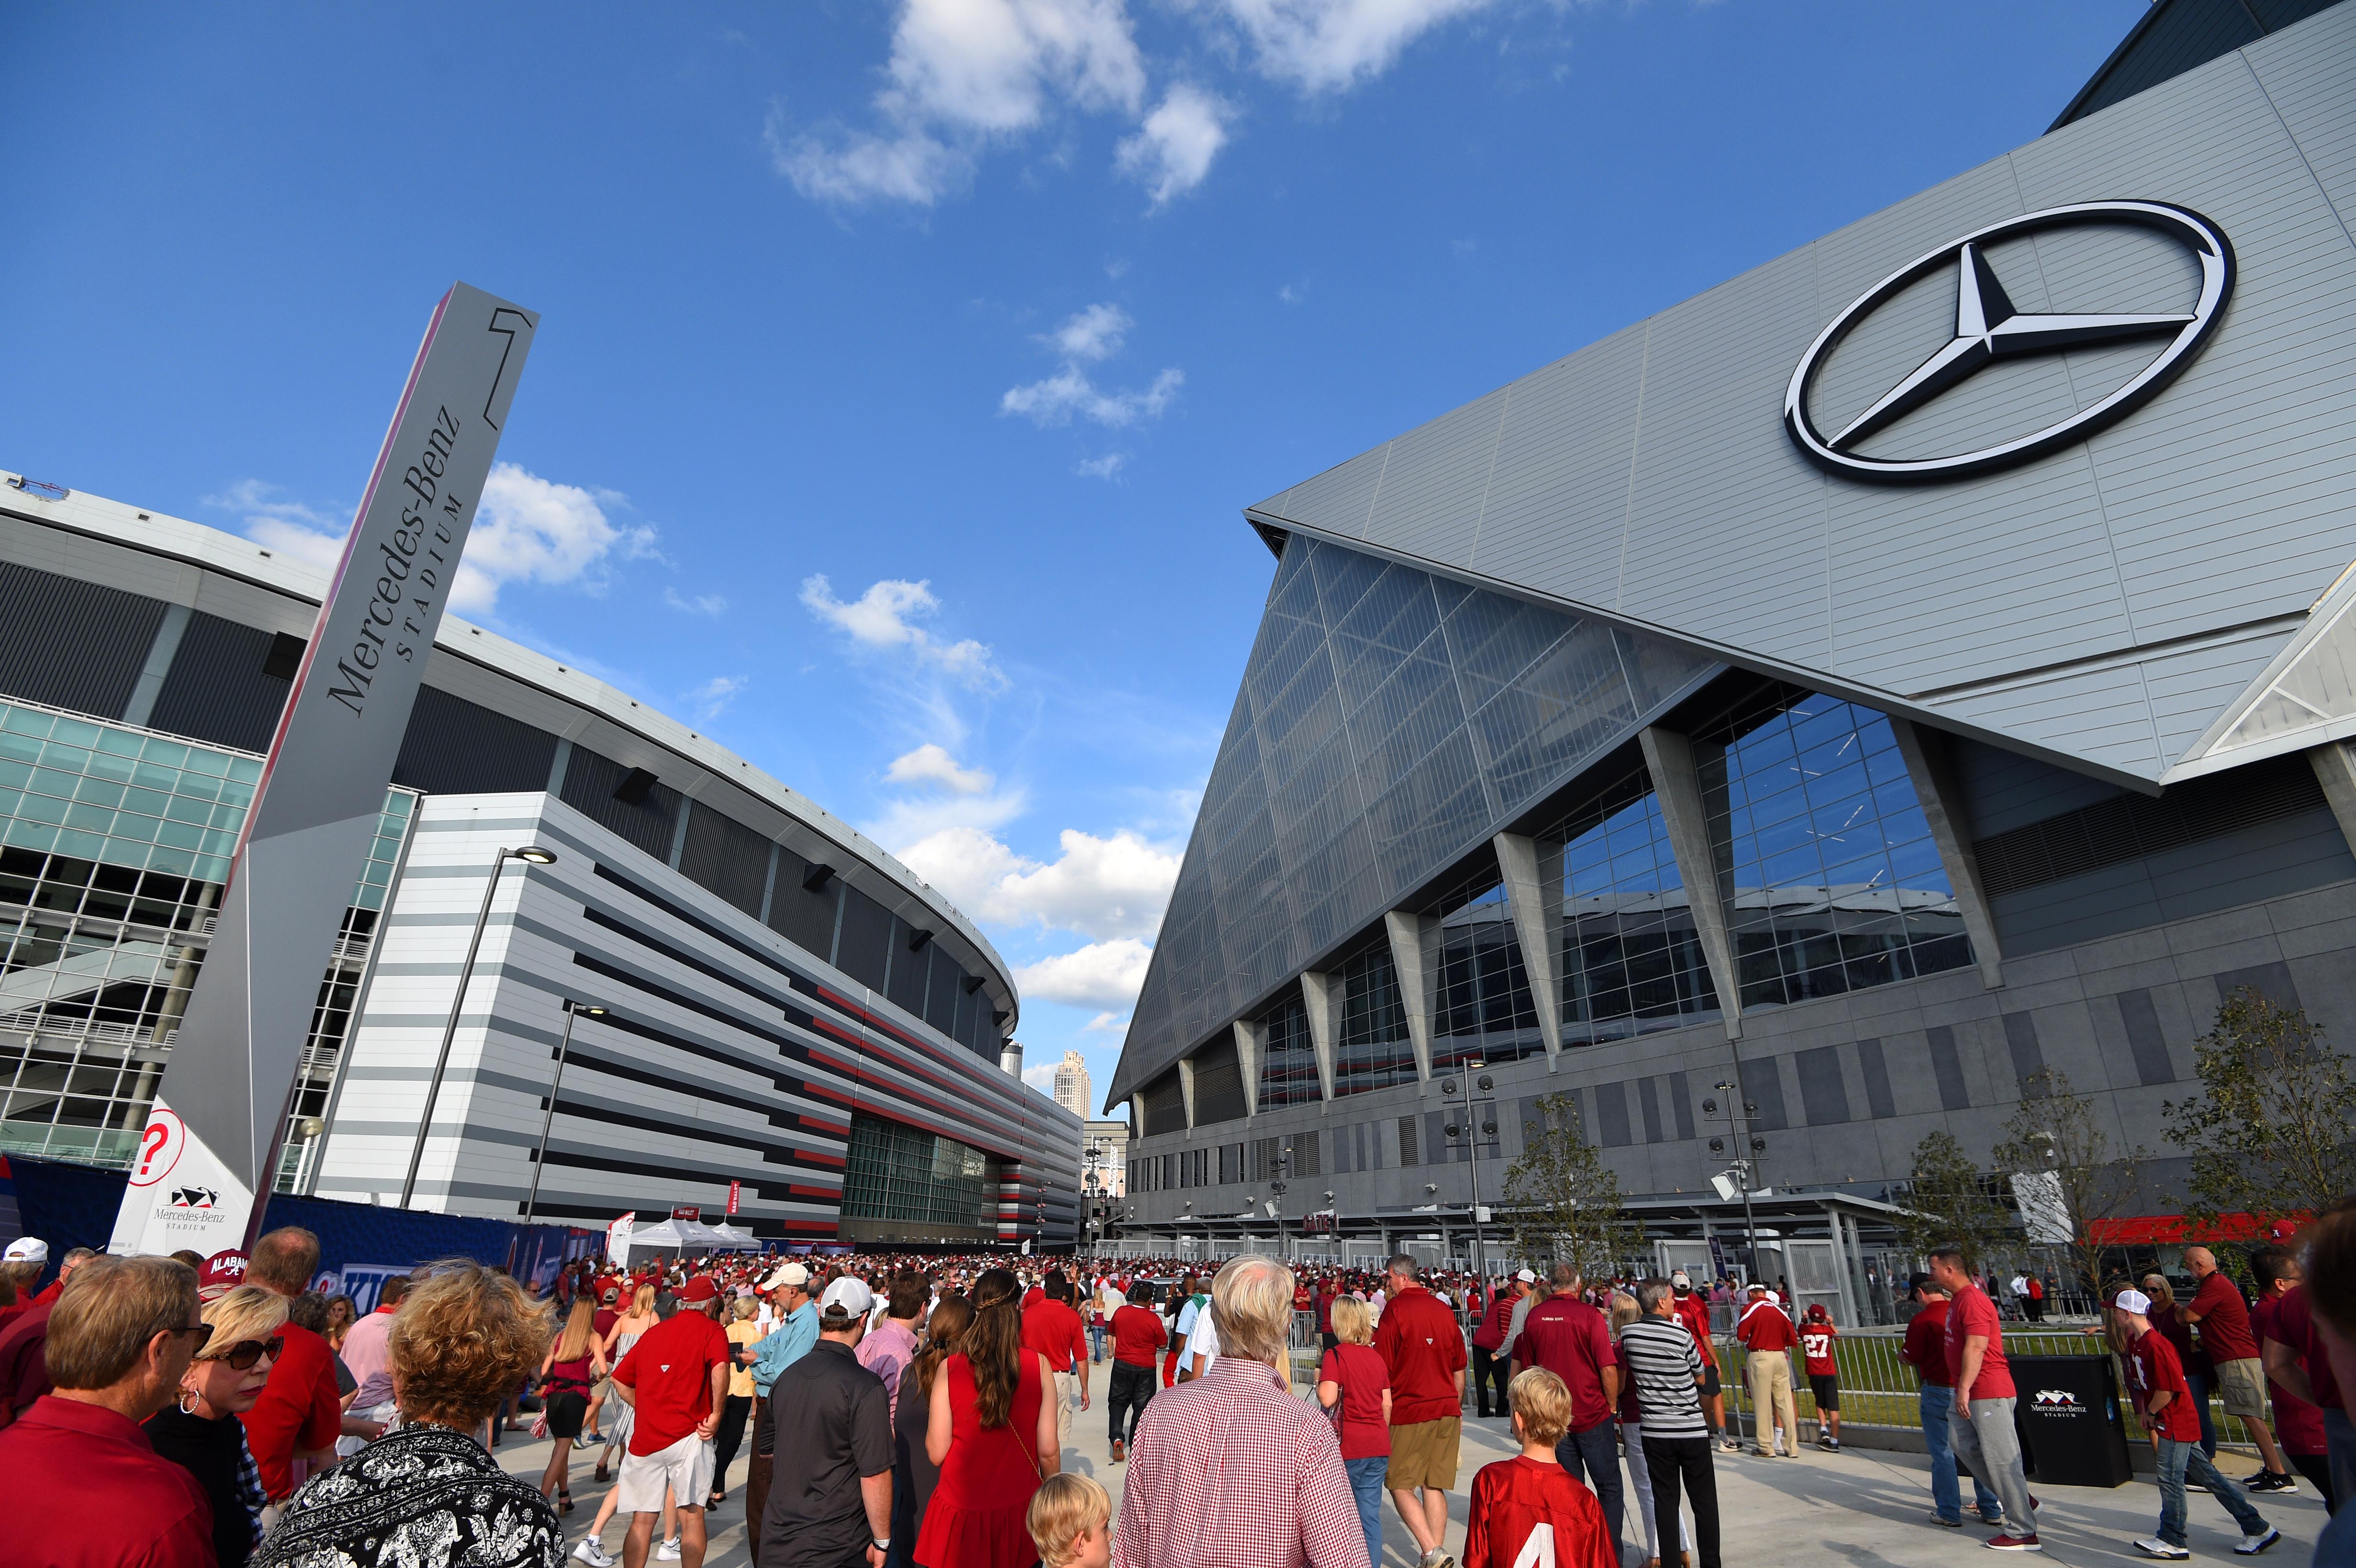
(530,854)
(1737,1116)
(1474,1129)
(572,1009)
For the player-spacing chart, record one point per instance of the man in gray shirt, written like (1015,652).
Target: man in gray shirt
(830,1503)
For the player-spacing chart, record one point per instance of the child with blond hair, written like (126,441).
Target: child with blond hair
(1071,1523)
(1517,1501)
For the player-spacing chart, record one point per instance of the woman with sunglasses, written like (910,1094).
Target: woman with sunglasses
(202,1435)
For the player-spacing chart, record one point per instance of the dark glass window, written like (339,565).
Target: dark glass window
(896,1172)
(1630,958)
(865,944)
(1373,1051)
(1288,1060)
(1833,882)
(1484,1010)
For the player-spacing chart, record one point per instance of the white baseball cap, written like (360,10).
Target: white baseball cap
(1526,1277)
(28,1249)
(1773,1299)
(2132,1301)
(848,1295)
(1681,1277)
(789,1273)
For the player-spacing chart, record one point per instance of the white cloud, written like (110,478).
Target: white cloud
(963,73)
(1105,1023)
(700,604)
(1324,45)
(1102,974)
(1106,467)
(1172,151)
(880,618)
(1091,333)
(1056,399)
(530,529)
(1101,887)
(712,697)
(527,530)
(1042,1077)
(930,763)
(1293,293)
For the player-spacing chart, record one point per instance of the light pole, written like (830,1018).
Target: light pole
(1474,1129)
(572,1009)
(531,854)
(1737,1116)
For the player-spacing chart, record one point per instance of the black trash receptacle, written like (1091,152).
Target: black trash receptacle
(2073,1432)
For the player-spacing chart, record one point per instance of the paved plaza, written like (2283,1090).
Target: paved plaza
(1864,1507)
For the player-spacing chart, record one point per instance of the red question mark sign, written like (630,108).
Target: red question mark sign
(158,1136)
(160,1148)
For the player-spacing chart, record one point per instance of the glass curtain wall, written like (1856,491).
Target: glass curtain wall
(1483,1009)
(114,846)
(1373,1051)
(1288,1060)
(900,1173)
(1832,880)
(1632,960)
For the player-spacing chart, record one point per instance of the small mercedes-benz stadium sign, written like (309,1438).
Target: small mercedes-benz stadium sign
(1988,329)
(204,1166)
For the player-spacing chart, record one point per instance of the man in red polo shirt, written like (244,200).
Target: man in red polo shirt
(1767,1336)
(1573,1340)
(2155,1381)
(300,1413)
(1137,1335)
(1418,1340)
(1052,1329)
(2218,1310)
(676,1378)
(94,1490)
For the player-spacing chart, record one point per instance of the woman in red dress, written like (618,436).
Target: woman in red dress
(993,1434)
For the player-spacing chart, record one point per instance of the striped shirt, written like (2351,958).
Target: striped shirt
(1658,1352)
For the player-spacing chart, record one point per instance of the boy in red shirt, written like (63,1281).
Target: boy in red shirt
(1816,1335)
(2155,1381)
(1515,1501)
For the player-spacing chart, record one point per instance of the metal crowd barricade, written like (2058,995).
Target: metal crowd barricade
(1876,1388)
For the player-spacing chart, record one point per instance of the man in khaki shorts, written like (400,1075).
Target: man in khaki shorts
(1420,1342)
(2218,1310)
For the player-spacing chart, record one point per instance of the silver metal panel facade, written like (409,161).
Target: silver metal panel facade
(2219,504)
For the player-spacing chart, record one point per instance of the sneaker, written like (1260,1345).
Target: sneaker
(2253,1544)
(668,1551)
(1437,1559)
(1120,1451)
(2014,1543)
(1944,1523)
(1827,1445)
(591,1554)
(2268,1481)
(2155,1547)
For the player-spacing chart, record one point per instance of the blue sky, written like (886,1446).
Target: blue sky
(903,367)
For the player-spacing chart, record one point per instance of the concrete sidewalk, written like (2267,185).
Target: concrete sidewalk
(1868,1508)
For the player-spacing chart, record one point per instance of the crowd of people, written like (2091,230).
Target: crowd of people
(213,1413)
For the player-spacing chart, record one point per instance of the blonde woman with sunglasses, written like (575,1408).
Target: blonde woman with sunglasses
(202,1435)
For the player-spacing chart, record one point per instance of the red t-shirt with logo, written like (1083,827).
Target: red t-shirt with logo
(1424,1349)
(1972,1313)
(1816,1344)
(2153,1368)
(2224,1320)
(670,1369)
(1524,1510)
(1137,1333)
(1574,1341)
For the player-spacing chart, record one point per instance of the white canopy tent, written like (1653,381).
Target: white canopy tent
(683,1236)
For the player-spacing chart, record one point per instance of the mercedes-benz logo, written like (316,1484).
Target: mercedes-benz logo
(1989,328)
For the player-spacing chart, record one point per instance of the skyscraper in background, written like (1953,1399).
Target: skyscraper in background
(1072,1085)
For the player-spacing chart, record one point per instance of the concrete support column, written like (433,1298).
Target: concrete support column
(1536,903)
(160,654)
(1186,1088)
(1668,757)
(1925,753)
(1414,941)
(1321,997)
(2335,770)
(1250,1040)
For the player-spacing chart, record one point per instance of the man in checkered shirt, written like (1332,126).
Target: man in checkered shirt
(1230,1468)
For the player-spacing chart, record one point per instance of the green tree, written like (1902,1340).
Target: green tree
(1567,1201)
(2071,1177)
(1948,1201)
(2269,1133)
